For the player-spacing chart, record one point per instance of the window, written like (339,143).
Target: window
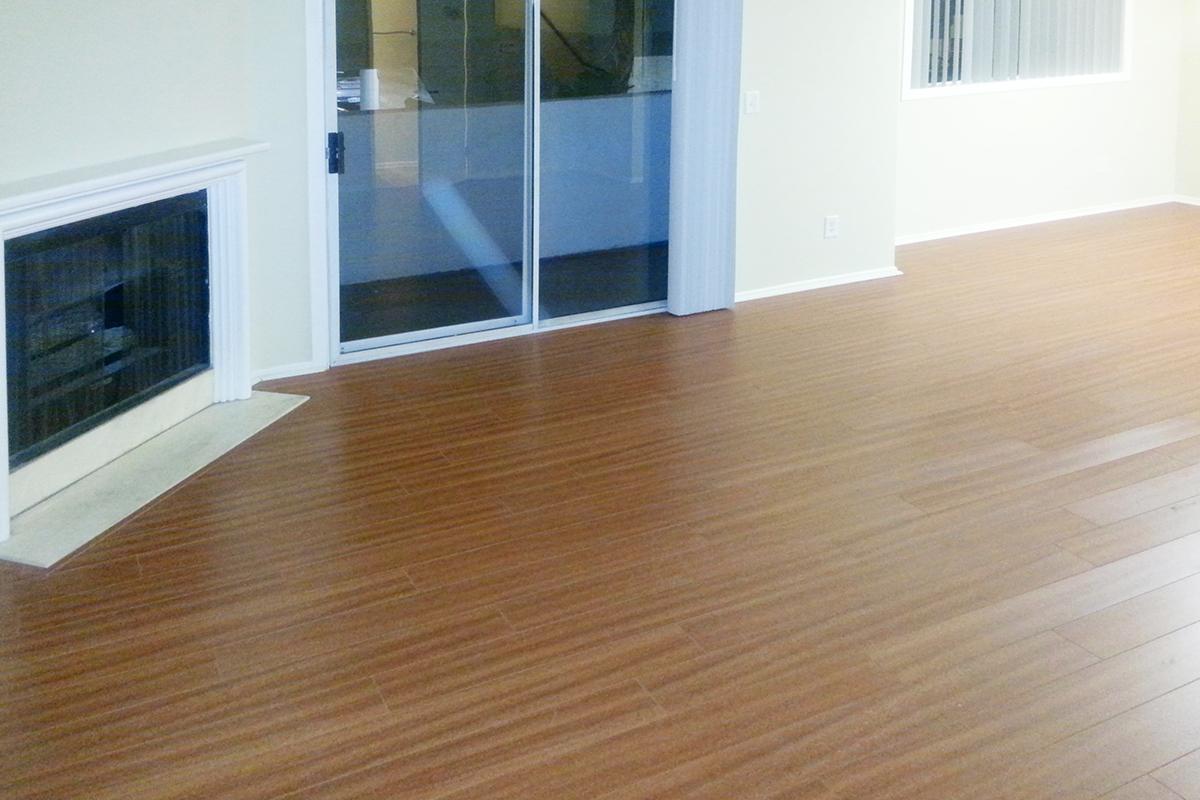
(983,41)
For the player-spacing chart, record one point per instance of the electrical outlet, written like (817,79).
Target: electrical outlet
(753,102)
(833,227)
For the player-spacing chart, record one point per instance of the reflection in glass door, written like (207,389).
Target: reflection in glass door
(433,192)
(605,154)
(438,228)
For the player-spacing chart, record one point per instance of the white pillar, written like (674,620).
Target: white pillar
(704,154)
(229,288)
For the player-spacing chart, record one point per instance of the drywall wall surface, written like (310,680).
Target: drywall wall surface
(987,158)
(824,142)
(84,83)
(1189,103)
(281,325)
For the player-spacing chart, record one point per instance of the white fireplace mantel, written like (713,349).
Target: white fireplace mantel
(219,168)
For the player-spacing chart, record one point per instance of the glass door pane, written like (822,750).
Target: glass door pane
(433,197)
(606,75)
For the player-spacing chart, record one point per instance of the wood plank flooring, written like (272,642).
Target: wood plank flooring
(922,539)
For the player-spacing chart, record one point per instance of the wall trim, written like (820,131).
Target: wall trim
(321,352)
(1186,200)
(819,283)
(1037,219)
(288,371)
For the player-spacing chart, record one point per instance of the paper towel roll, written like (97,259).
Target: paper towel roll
(369,86)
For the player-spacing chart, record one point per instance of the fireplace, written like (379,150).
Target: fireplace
(125,310)
(103,314)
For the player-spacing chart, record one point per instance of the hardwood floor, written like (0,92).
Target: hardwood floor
(936,537)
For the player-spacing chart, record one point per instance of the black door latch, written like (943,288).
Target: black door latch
(335,153)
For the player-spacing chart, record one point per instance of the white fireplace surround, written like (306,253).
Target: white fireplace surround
(218,168)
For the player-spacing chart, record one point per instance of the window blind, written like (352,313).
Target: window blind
(976,41)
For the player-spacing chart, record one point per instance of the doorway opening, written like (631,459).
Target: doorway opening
(500,164)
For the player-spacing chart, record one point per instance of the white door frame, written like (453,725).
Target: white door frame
(320,245)
(323,209)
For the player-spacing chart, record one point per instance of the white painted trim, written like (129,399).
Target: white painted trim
(1034,219)
(218,168)
(908,92)
(1028,84)
(819,283)
(288,371)
(229,287)
(24,200)
(318,223)
(323,96)
(1186,200)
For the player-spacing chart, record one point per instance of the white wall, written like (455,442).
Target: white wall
(986,158)
(281,331)
(85,82)
(824,143)
(1189,122)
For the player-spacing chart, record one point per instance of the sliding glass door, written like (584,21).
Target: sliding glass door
(432,195)
(444,156)
(606,74)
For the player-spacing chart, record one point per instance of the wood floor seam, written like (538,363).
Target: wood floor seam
(914,541)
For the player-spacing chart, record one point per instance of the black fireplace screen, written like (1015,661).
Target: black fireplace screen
(102,315)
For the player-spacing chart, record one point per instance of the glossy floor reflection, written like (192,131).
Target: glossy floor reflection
(927,538)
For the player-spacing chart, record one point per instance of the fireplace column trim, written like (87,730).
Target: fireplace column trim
(218,168)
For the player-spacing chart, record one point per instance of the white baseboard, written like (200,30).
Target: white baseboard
(1038,219)
(1186,200)
(819,283)
(288,371)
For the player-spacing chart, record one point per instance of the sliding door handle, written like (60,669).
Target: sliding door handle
(335,153)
